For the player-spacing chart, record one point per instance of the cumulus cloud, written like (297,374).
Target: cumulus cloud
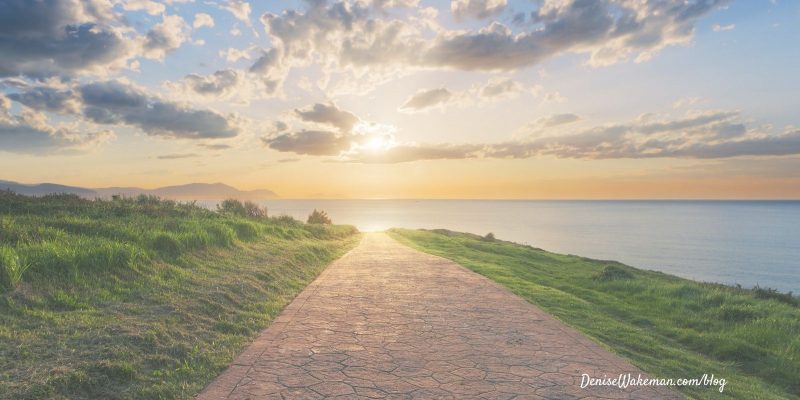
(120,103)
(328,114)
(59,38)
(232,55)
(48,99)
(427,99)
(348,39)
(326,130)
(270,70)
(30,133)
(202,20)
(310,142)
(219,84)
(114,102)
(166,37)
(149,6)
(476,8)
(381,4)
(239,8)
(500,87)
(352,41)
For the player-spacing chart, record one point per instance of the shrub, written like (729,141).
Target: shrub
(232,206)
(319,217)
(11,269)
(489,237)
(253,210)
(611,273)
(773,294)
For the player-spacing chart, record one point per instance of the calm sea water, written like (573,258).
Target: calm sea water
(744,242)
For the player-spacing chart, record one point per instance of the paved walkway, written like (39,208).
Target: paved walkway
(389,322)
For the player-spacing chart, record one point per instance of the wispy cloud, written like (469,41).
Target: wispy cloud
(723,28)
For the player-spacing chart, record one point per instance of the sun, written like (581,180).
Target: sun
(377,143)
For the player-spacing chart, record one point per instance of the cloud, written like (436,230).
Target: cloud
(114,102)
(478,9)
(315,143)
(382,4)
(723,28)
(240,9)
(177,156)
(409,153)
(48,99)
(148,6)
(715,134)
(202,20)
(232,55)
(59,38)
(696,134)
(328,114)
(353,42)
(270,69)
(215,146)
(166,37)
(120,103)
(500,88)
(497,88)
(315,136)
(552,121)
(218,84)
(30,133)
(427,99)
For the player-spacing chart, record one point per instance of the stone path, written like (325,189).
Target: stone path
(389,322)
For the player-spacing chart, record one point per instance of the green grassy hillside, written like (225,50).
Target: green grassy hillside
(141,298)
(668,326)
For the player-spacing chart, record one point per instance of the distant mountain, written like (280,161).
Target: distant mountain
(42,189)
(210,191)
(192,191)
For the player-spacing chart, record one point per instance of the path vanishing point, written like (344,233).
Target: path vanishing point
(389,322)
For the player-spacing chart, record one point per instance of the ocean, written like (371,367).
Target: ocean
(734,242)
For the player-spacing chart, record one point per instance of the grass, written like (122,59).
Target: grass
(141,298)
(668,326)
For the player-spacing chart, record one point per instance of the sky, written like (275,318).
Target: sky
(578,99)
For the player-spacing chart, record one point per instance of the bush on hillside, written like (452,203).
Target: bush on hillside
(247,209)
(232,206)
(253,210)
(773,294)
(319,217)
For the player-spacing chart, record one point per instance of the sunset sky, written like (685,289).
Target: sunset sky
(406,98)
